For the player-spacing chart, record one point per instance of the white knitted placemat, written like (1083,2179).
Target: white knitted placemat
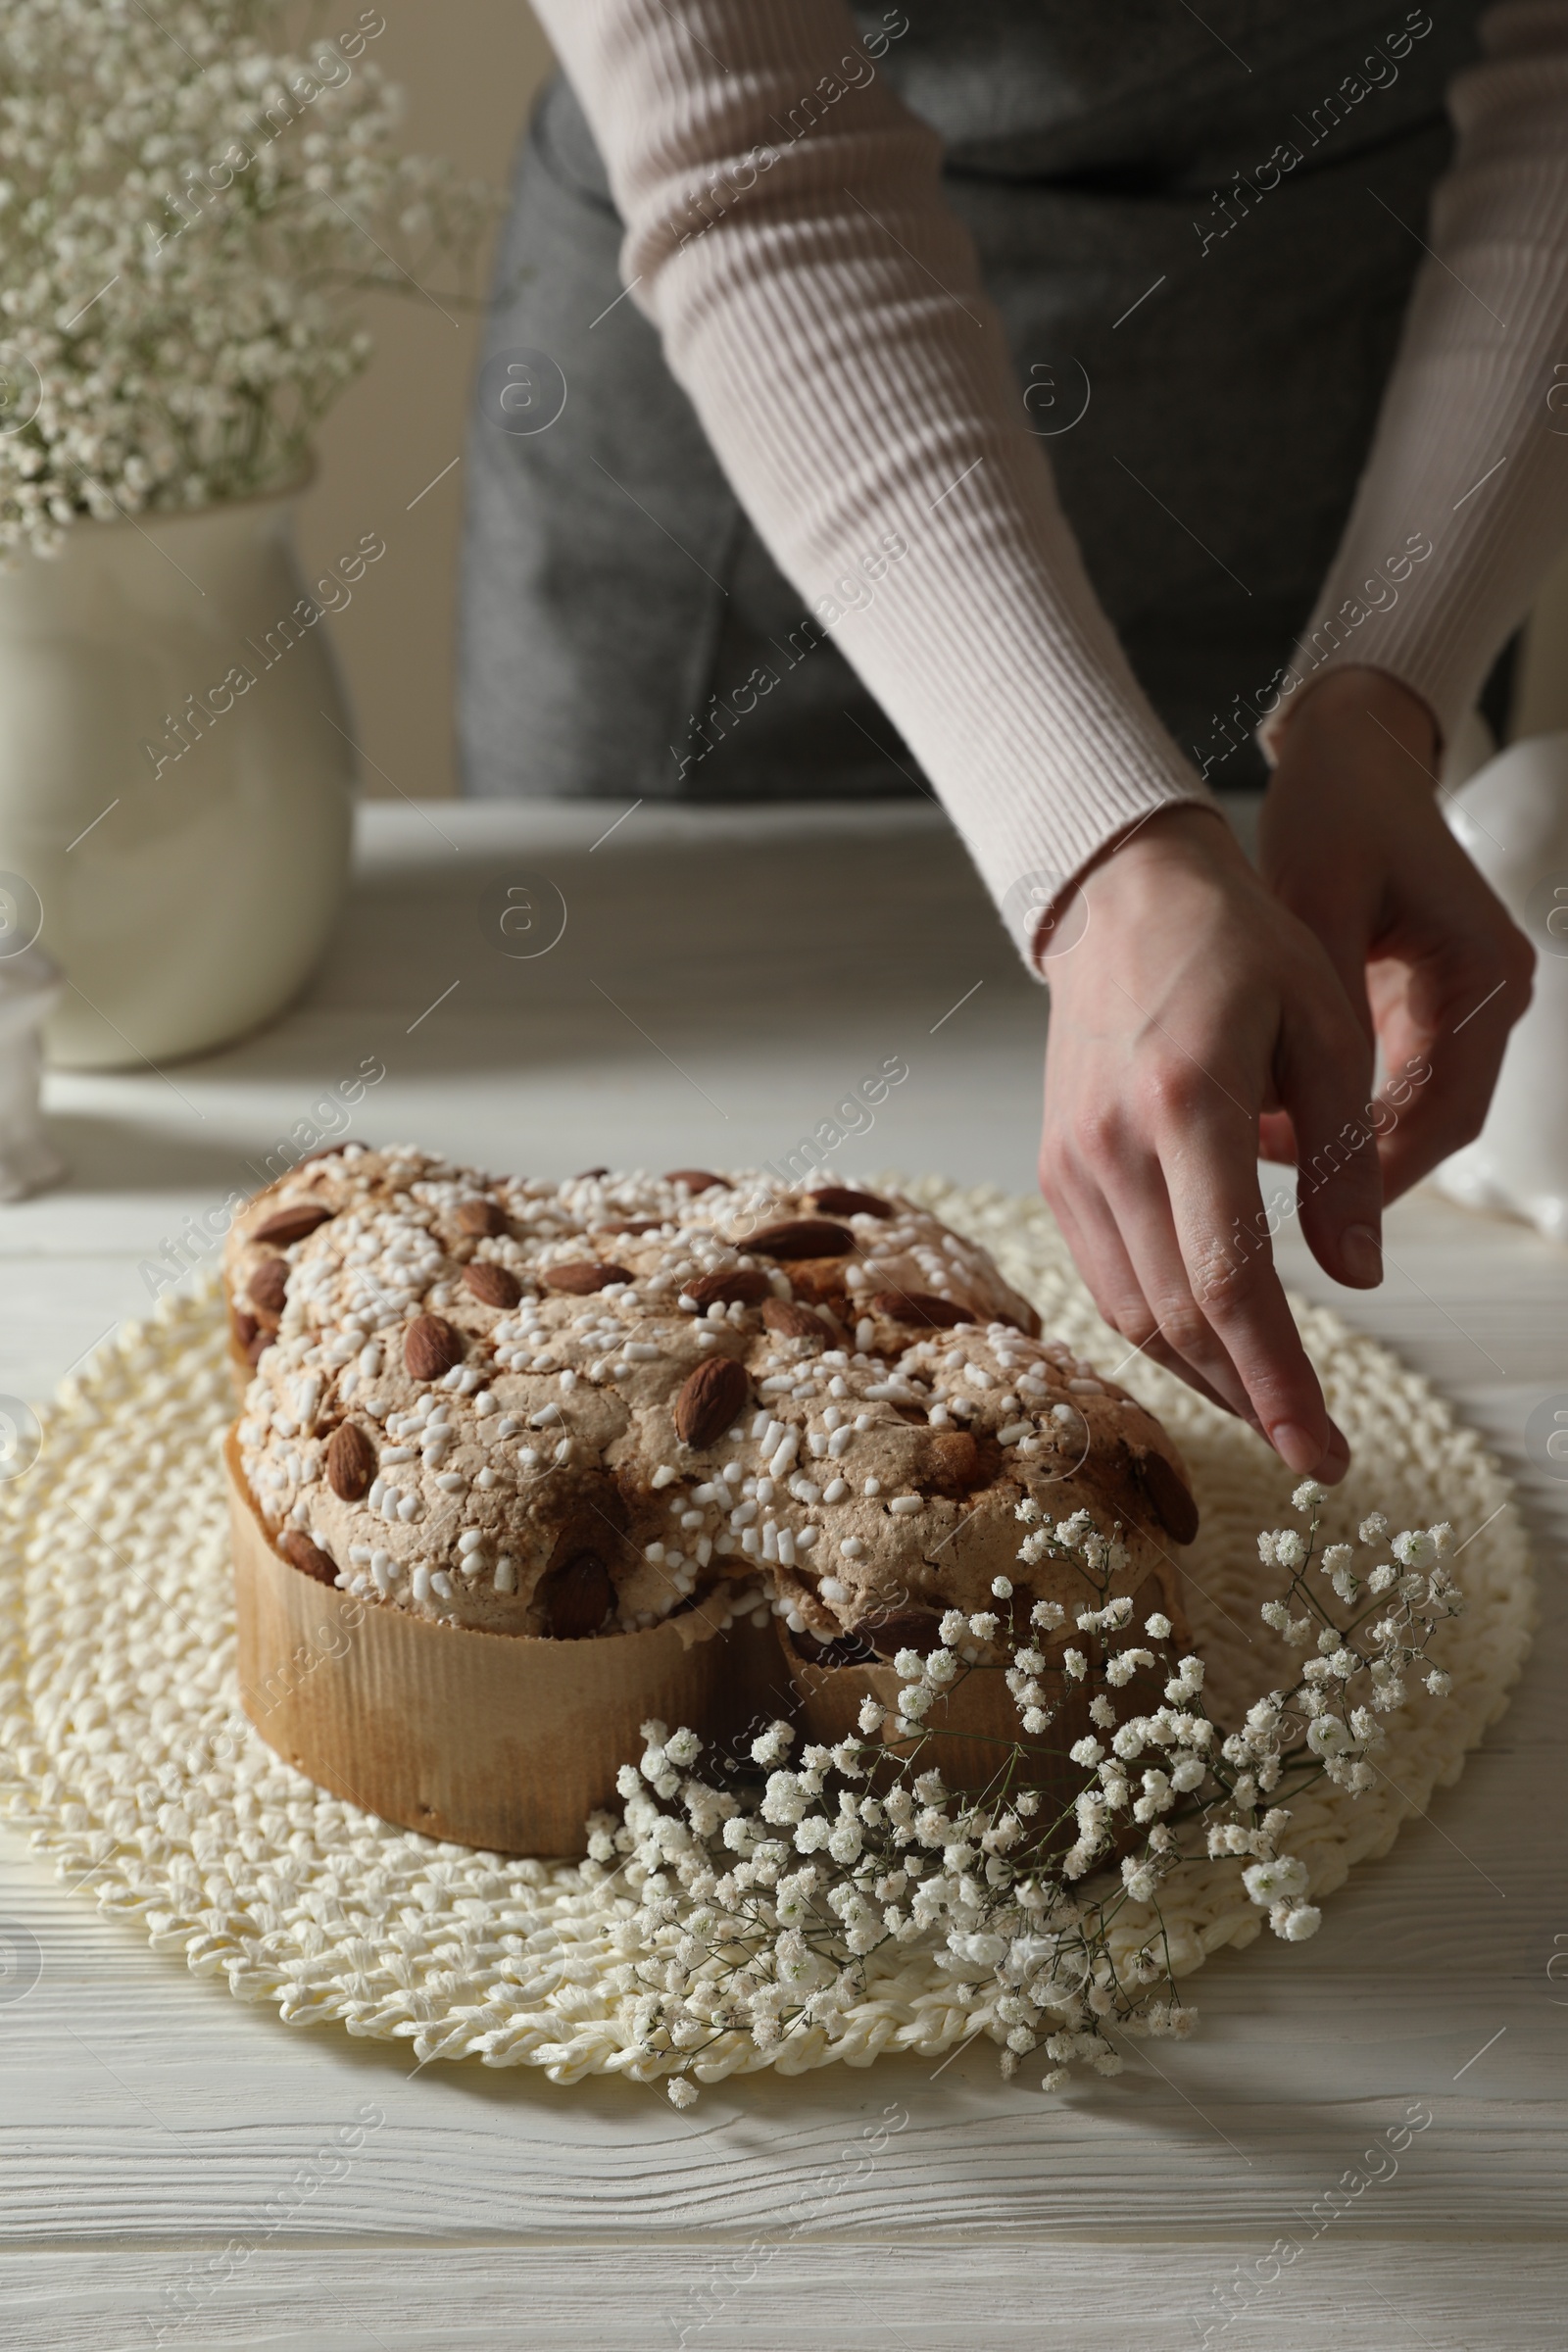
(125,1753)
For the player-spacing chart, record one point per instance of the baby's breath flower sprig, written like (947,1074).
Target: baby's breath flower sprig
(184,208)
(761,1913)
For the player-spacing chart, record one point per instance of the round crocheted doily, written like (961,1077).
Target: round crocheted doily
(124,1750)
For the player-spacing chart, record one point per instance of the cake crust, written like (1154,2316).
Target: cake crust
(575,1409)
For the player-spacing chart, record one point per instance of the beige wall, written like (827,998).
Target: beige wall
(469,70)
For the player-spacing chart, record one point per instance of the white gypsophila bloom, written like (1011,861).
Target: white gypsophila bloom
(1336,1557)
(1308,1495)
(1373,1528)
(683,1747)
(1157,1626)
(767,1949)
(1281,1880)
(185,215)
(1002,1587)
(1290,1550)
(1414,1549)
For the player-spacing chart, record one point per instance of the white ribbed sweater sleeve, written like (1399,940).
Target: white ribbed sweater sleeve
(1471,452)
(831,332)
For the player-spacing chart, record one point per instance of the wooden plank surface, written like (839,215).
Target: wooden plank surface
(723,979)
(769,2295)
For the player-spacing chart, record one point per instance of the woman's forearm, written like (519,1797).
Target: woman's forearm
(821,306)
(1463,505)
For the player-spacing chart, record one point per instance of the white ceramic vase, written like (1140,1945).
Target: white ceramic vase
(173,785)
(1512,817)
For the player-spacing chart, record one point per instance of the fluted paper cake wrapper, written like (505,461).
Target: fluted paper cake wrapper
(500,1740)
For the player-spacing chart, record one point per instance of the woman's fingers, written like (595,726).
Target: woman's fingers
(1091,1232)
(1169,1232)
(1210,1274)
(1444,1031)
(1324,1070)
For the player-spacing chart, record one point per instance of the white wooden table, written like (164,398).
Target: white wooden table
(722,980)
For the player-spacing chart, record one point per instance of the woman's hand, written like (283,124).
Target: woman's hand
(1202,1015)
(1186,1005)
(1352,841)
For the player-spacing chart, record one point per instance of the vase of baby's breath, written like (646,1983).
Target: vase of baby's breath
(186,213)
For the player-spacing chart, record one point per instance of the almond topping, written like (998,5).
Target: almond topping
(492,1283)
(921,1308)
(481,1217)
(576,1599)
(739,1286)
(710,1400)
(803,1237)
(1173,1504)
(308,1557)
(582,1276)
(288,1225)
(793,1322)
(839,1201)
(269,1286)
(350,1462)
(430,1347)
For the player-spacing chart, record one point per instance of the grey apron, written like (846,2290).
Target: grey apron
(1228,317)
